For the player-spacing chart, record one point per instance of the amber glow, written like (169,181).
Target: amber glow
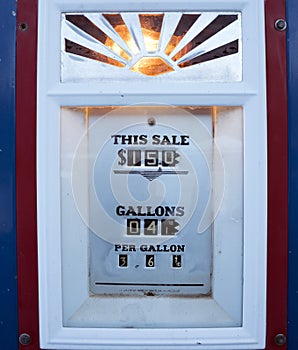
(214,119)
(147,65)
(152,66)
(117,49)
(127,38)
(151,28)
(151,40)
(172,44)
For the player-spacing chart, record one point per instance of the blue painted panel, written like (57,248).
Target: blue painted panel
(8,275)
(292,11)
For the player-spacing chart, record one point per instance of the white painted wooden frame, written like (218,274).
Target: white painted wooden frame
(250,93)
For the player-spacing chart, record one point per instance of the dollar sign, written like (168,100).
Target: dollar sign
(122,160)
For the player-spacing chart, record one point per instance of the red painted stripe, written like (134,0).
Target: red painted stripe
(26,171)
(277,172)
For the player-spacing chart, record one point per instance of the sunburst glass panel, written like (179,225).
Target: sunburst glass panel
(152,44)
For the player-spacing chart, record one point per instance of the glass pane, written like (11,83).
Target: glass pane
(154,197)
(204,46)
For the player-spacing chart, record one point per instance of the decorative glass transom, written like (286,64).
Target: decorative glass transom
(151,44)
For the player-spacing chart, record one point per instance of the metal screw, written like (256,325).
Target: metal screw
(280,25)
(280,339)
(151,121)
(25,339)
(23,27)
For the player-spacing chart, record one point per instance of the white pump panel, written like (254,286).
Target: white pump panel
(151,149)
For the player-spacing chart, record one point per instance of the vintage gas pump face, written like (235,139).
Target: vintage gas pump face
(149,216)
(147,199)
(149,191)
